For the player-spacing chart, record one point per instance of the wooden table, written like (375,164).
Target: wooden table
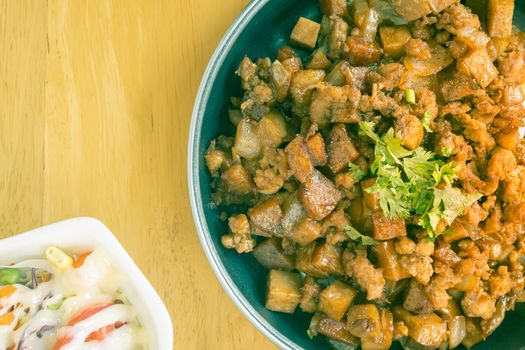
(95,104)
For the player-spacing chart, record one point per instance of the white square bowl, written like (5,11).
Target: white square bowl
(81,234)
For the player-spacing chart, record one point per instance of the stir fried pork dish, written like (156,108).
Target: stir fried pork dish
(377,171)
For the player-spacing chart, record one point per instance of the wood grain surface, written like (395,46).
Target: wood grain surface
(95,104)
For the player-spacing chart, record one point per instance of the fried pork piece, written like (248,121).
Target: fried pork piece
(240,238)
(236,180)
(299,159)
(418,266)
(310,290)
(341,150)
(333,104)
(386,228)
(319,195)
(266,217)
(366,275)
(478,303)
(411,131)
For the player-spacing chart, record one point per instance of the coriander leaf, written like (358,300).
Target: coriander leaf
(356,172)
(420,164)
(426,121)
(367,129)
(453,202)
(446,151)
(355,235)
(395,147)
(410,96)
(446,173)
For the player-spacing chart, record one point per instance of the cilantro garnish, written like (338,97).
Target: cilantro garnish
(426,121)
(356,236)
(446,151)
(415,183)
(357,173)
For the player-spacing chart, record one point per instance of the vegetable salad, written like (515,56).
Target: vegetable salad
(67,303)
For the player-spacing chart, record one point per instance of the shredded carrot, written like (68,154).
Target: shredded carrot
(6,291)
(80,261)
(7,319)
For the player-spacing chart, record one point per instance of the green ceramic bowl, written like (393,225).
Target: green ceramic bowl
(263,27)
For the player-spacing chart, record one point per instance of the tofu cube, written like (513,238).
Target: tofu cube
(305,34)
(303,262)
(306,232)
(336,299)
(500,14)
(327,258)
(284,291)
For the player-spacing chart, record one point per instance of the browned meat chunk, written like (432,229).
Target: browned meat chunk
(248,73)
(500,14)
(316,147)
(319,61)
(319,195)
(305,33)
(266,217)
(336,330)
(386,228)
(411,9)
(336,299)
(418,266)
(236,180)
(341,151)
(310,291)
(364,321)
(387,259)
(478,65)
(214,159)
(478,303)
(304,82)
(411,131)
(418,48)
(428,330)
(270,254)
(303,262)
(327,258)
(337,37)
(501,164)
(405,246)
(240,238)
(362,52)
(416,300)
(458,87)
(515,213)
(268,181)
(394,40)
(305,232)
(365,274)
(299,159)
(335,104)
(284,291)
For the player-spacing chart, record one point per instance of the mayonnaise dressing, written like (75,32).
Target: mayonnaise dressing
(82,308)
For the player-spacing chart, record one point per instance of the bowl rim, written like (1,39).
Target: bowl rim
(201,100)
(78,234)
